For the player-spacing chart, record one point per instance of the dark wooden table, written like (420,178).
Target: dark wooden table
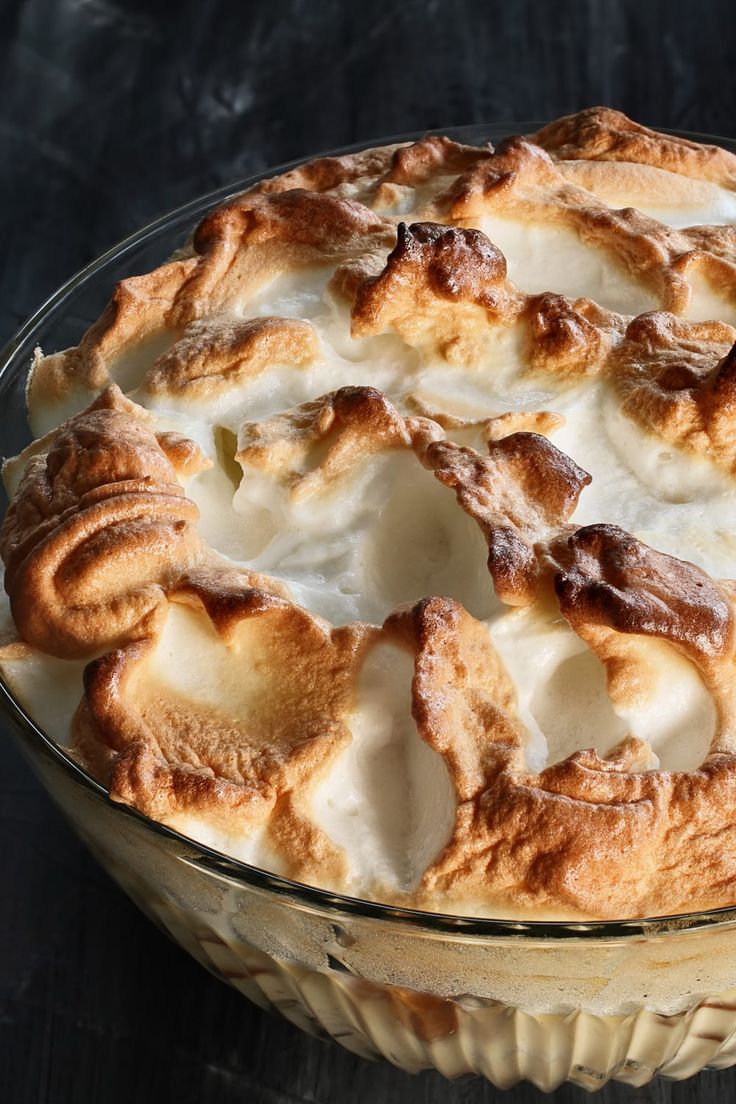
(112,113)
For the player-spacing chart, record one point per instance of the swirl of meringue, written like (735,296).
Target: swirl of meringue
(98,529)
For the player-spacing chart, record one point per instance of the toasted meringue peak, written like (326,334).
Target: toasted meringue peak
(676,379)
(316,444)
(219,352)
(612,587)
(246,243)
(609,577)
(570,339)
(239,515)
(96,529)
(519,494)
(433,262)
(134,322)
(551,839)
(184,455)
(239,249)
(446,288)
(494,426)
(603,134)
(432,157)
(463,701)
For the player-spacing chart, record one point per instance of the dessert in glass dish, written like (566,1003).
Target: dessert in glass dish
(368,593)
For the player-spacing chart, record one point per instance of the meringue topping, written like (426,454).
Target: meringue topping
(384,538)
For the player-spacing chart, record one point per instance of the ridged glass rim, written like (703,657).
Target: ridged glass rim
(216,862)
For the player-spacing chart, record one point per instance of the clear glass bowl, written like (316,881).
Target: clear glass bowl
(549,1002)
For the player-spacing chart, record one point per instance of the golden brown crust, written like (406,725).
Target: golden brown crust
(216,353)
(446,287)
(659,256)
(519,494)
(97,529)
(184,455)
(613,590)
(238,248)
(250,760)
(432,157)
(494,426)
(570,339)
(324,174)
(608,577)
(461,693)
(676,379)
(227,594)
(309,448)
(514,837)
(138,311)
(247,242)
(601,133)
(720,241)
(381,177)
(648,187)
(584,836)
(432,262)
(541,422)
(307,217)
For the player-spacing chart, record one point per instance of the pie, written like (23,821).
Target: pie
(383,537)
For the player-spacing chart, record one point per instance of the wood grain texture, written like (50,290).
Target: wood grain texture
(112,113)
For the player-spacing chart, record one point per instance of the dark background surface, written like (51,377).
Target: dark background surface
(110,114)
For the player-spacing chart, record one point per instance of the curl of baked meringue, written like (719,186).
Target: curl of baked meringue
(97,530)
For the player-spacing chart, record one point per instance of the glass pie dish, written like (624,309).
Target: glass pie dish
(543,1001)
